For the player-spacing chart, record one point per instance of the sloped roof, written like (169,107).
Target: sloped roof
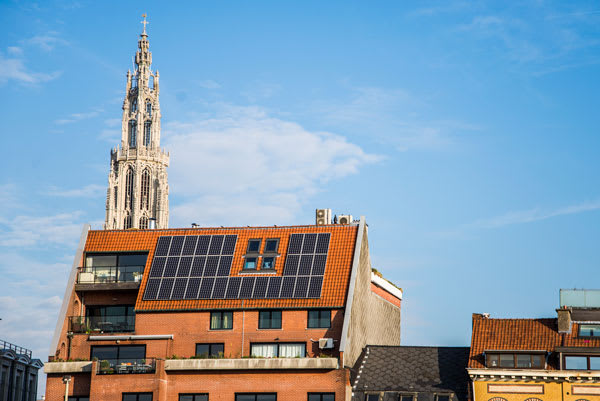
(521,334)
(413,369)
(335,280)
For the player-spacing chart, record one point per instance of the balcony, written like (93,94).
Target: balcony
(580,298)
(252,364)
(109,278)
(126,366)
(104,324)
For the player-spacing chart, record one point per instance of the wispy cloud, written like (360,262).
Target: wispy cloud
(78,117)
(47,41)
(14,69)
(256,169)
(40,231)
(209,84)
(88,191)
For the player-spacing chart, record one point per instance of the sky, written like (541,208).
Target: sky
(465,132)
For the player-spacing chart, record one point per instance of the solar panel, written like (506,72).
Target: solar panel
(233,287)
(219,288)
(189,246)
(192,289)
(301,287)
(179,288)
(158,266)
(314,288)
(199,267)
(224,266)
(203,242)
(166,286)
(176,245)
(274,286)
(162,247)
(152,288)
(247,287)
(216,244)
(287,288)
(185,265)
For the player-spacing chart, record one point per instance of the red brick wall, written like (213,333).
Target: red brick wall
(55,388)
(385,295)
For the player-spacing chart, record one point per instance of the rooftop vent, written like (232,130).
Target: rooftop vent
(151,224)
(323,217)
(345,219)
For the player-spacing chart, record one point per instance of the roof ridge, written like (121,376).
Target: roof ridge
(228,228)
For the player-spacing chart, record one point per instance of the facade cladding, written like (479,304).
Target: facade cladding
(267,313)
(537,359)
(18,373)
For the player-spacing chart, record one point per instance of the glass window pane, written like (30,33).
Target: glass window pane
(328,397)
(253,245)
(133,260)
(594,363)
(101,260)
(104,352)
(264,320)
(271,245)
(325,319)
(217,349)
(227,320)
(406,398)
(202,350)
(314,397)
(186,398)
(276,319)
(443,398)
(313,318)
(576,362)
(129,397)
(523,361)
(507,361)
(215,320)
(589,330)
(201,397)
(250,263)
(292,350)
(145,397)
(264,350)
(268,263)
(266,397)
(245,397)
(537,361)
(373,397)
(132,352)
(492,360)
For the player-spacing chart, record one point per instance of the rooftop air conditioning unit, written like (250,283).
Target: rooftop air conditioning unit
(323,217)
(325,343)
(345,219)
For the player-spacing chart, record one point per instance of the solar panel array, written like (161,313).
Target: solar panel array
(198,267)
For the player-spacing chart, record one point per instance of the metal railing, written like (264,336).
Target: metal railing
(102,324)
(123,366)
(5,345)
(110,274)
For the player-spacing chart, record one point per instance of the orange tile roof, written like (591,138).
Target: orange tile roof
(335,281)
(521,334)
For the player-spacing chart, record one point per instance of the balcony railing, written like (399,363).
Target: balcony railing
(580,298)
(5,345)
(110,274)
(105,324)
(121,366)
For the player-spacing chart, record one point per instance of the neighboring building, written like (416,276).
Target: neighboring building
(237,314)
(387,373)
(539,359)
(138,192)
(18,373)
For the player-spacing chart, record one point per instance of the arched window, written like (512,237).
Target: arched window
(147,130)
(129,189)
(143,222)
(149,109)
(497,399)
(533,399)
(134,104)
(132,133)
(145,192)
(127,222)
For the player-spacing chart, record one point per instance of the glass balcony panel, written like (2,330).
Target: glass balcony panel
(124,366)
(594,363)
(110,274)
(576,362)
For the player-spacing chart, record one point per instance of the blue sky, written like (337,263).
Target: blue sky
(467,134)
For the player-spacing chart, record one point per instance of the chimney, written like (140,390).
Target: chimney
(564,320)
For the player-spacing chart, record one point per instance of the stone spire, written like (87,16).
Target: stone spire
(138,191)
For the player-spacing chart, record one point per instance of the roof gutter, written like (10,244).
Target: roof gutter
(352,285)
(62,316)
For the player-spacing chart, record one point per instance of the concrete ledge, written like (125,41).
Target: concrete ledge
(251,363)
(67,367)
(132,285)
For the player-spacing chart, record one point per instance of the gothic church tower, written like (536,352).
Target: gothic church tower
(138,192)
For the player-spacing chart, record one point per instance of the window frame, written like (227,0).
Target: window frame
(267,252)
(253,240)
(247,260)
(255,395)
(210,353)
(118,347)
(270,312)
(279,346)
(593,335)
(220,320)
(319,319)
(588,360)
(320,394)
(192,395)
(137,395)
(515,355)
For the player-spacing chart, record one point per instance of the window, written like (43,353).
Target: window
(116,189)
(143,222)
(193,397)
(111,268)
(137,396)
(321,396)
(406,398)
(132,133)
(589,330)
(127,222)
(145,192)
(372,397)
(269,319)
(79,398)
(515,360)
(134,104)
(210,350)
(278,350)
(221,320)
(582,362)
(271,245)
(253,246)
(268,263)
(250,263)
(110,319)
(319,319)
(120,353)
(149,109)
(256,397)
(443,397)
(147,133)
(129,188)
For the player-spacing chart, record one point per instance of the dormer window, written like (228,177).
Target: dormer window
(589,330)
(581,362)
(253,246)
(514,360)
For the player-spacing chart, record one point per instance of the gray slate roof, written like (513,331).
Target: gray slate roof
(413,369)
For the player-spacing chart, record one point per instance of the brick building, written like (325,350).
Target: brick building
(260,314)
(539,359)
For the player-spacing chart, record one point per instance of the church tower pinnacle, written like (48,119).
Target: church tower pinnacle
(138,192)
